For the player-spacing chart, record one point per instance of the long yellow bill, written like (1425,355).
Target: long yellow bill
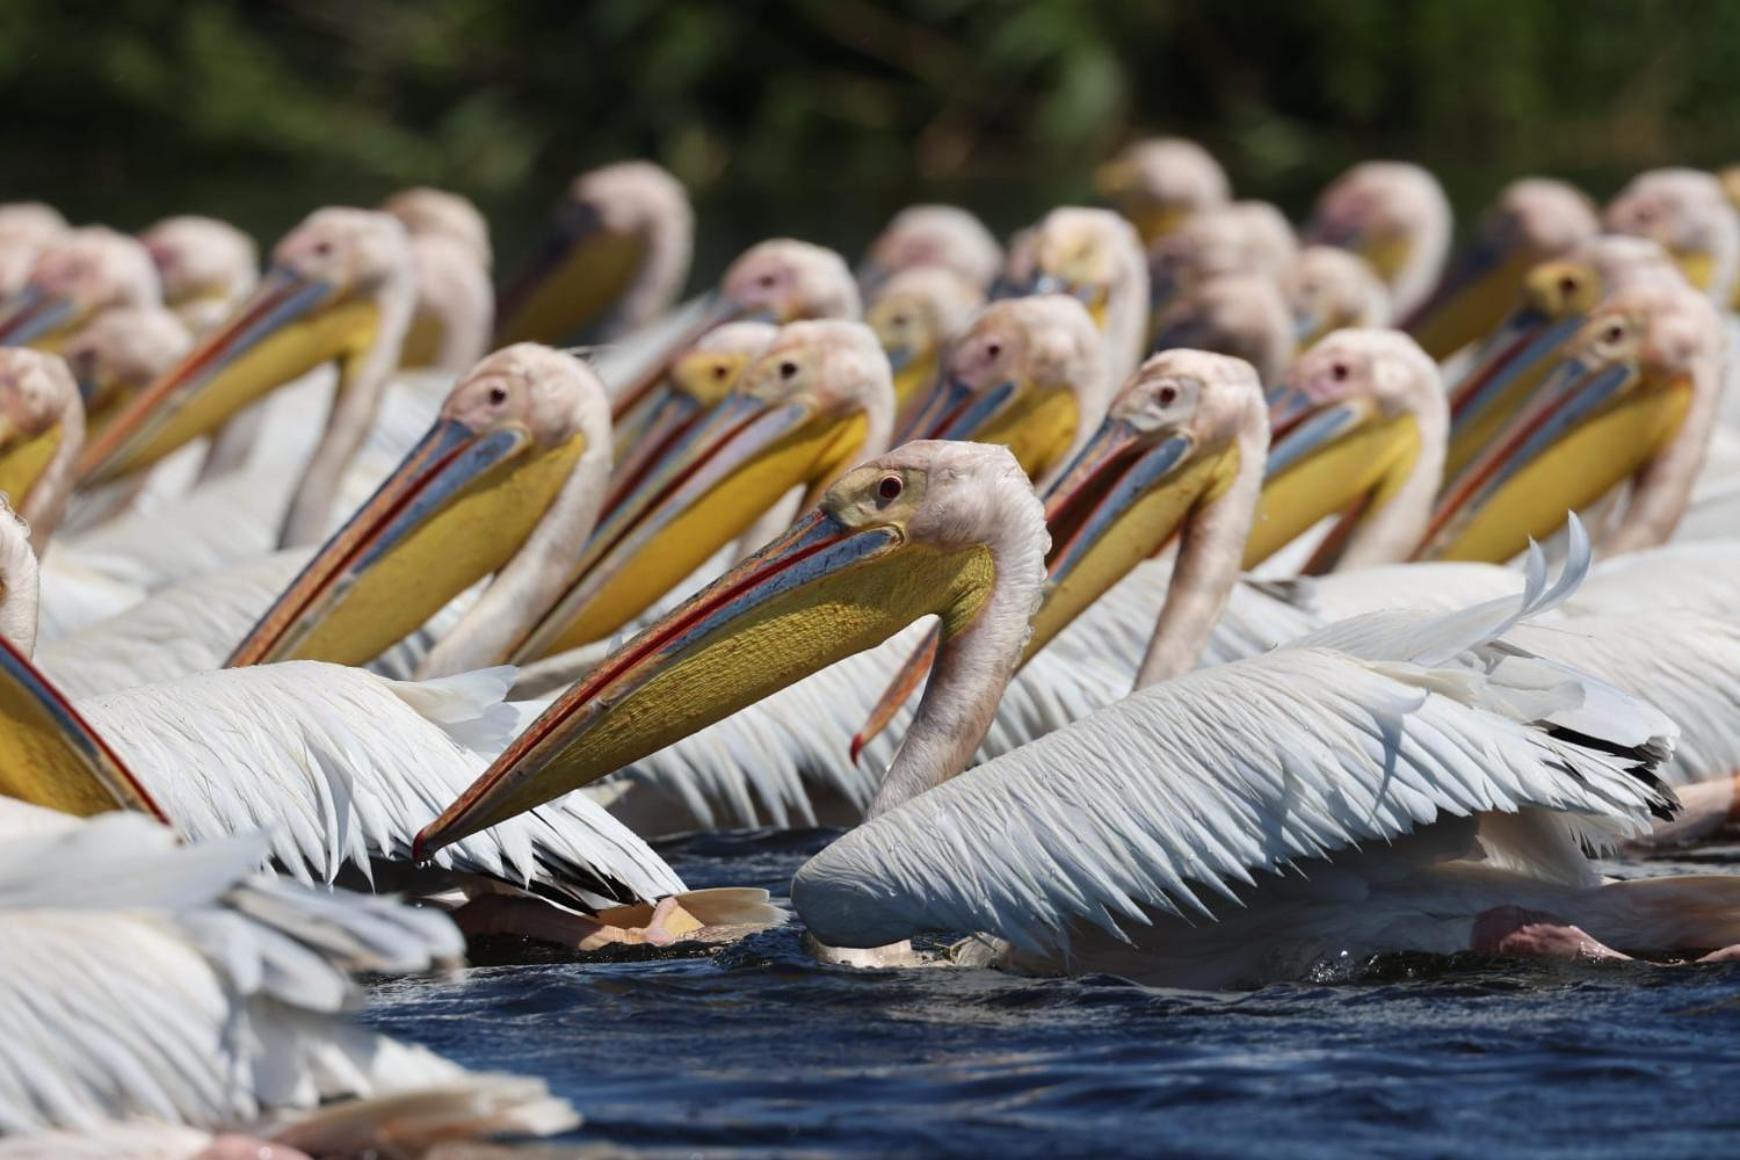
(1341,457)
(1592,426)
(1037,425)
(714,482)
(289,327)
(1471,299)
(578,276)
(36,318)
(23,458)
(454,511)
(835,584)
(49,755)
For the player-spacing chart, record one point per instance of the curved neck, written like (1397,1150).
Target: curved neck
(1424,264)
(362,379)
(530,583)
(670,241)
(1662,489)
(972,669)
(46,502)
(1209,554)
(1127,321)
(19,579)
(455,292)
(1389,533)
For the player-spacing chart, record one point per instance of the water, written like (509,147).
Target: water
(760,1051)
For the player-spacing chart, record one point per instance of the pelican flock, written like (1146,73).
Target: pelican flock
(1167,591)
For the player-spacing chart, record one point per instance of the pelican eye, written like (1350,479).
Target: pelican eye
(1168,396)
(498,395)
(994,350)
(322,249)
(890,487)
(788,369)
(767,281)
(1614,333)
(1339,372)
(1567,285)
(720,370)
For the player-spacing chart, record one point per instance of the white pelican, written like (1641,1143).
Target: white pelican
(1159,182)
(160,997)
(1186,792)
(208,267)
(25,228)
(1534,220)
(1688,213)
(1243,315)
(42,427)
(1396,216)
(1096,256)
(1329,288)
(932,237)
(455,315)
(1242,237)
(76,276)
(618,258)
(916,314)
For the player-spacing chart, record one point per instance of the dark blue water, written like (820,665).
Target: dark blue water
(759,1051)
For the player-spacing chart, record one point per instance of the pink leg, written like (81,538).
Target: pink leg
(1704,808)
(1511,930)
(533,918)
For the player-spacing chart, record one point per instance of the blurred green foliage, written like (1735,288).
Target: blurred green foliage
(819,117)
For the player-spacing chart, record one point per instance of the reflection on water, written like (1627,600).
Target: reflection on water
(760,1050)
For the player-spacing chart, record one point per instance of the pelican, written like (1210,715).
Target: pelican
(208,268)
(1396,216)
(1178,790)
(1534,220)
(25,228)
(337,764)
(226,1011)
(1244,315)
(42,426)
(455,314)
(1160,182)
(1687,212)
(341,290)
(1096,256)
(942,237)
(616,261)
(76,276)
(1328,289)
(1243,237)
(916,314)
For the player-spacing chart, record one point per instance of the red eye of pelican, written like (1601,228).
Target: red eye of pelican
(1338,372)
(498,395)
(1168,396)
(890,487)
(788,370)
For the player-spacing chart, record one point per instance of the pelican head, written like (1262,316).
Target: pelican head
(436,213)
(1329,288)
(1534,220)
(207,267)
(455,311)
(1686,212)
(42,426)
(26,227)
(340,289)
(813,404)
(1243,315)
(1358,427)
(942,236)
(119,353)
(525,428)
(1159,182)
(916,313)
(1097,257)
(944,529)
(1618,395)
(617,258)
(76,276)
(1029,373)
(1245,237)
(1394,215)
(1555,301)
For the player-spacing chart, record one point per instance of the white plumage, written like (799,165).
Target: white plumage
(148,987)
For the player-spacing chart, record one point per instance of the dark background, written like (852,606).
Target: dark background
(818,118)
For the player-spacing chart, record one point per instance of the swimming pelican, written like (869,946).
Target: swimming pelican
(1394,215)
(932,237)
(618,258)
(1159,182)
(1328,289)
(161,998)
(455,314)
(953,529)
(1096,256)
(916,314)
(341,290)
(1534,220)
(76,276)
(25,228)
(208,268)
(1687,212)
